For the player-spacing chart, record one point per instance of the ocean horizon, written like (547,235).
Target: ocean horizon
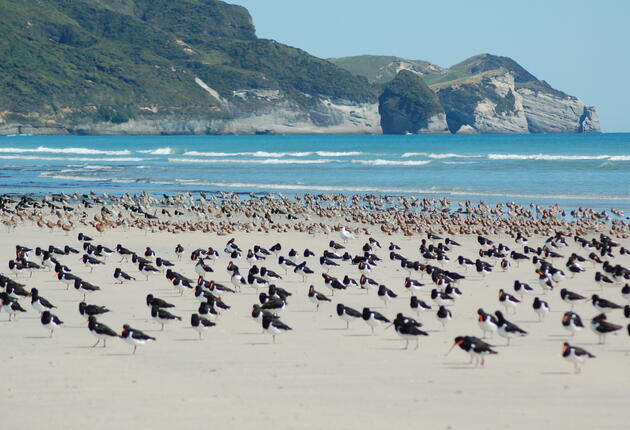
(569,169)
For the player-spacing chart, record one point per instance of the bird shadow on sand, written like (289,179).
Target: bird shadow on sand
(391,348)
(259,343)
(334,329)
(248,333)
(189,339)
(555,373)
(462,366)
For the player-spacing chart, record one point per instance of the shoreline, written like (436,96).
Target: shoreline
(320,370)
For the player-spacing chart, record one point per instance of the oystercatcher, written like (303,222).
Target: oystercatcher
(274,327)
(604,305)
(269,275)
(541,308)
(441,298)
(418,305)
(100,331)
(121,276)
(373,318)
(347,314)
(350,282)
(572,322)
(385,294)
(476,348)
(316,297)
(603,280)
(601,327)
(39,303)
(200,324)
(271,304)
(163,316)
(236,279)
(575,355)
(123,252)
(91,262)
(202,269)
(545,283)
(570,297)
(147,268)
(508,301)
(134,337)
(91,310)
(50,321)
(179,251)
(443,315)
(522,288)
(412,285)
(507,329)
(285,263)
(10,305)
(303,270)
(85,287)
(487,322)
(408,330)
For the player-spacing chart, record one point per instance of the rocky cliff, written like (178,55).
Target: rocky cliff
(407,105)
(197,67)
(487,94)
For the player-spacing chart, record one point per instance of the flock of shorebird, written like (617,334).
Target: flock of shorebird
(226,213)
(437,269)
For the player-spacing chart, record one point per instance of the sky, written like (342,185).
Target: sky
(579,47)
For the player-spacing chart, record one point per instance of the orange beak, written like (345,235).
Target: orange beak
(453,346)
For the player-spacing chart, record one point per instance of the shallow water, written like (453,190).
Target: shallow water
(591,170)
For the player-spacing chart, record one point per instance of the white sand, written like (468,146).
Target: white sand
(318,376)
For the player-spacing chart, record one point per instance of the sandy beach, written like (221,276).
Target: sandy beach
(319,375)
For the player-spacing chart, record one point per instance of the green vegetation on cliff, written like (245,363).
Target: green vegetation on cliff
(120,58)
(407,104)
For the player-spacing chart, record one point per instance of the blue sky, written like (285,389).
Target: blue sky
(580,47)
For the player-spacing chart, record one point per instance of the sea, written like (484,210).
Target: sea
(572,170)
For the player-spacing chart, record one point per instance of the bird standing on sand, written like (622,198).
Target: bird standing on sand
(100,331)
(443,315)
(316,297)
(134,337)
(601,327)
(508,301)
(10,306)
(487,322)
(121,276)
(163,316)
(39,303)
(274,327)
(385,294)
(507,329)
(200,324)
(345,234)
(408,330)
(572,322)
(373,318)
(575,355)
(347,314)
(50,321)
(541,308)
(476,348)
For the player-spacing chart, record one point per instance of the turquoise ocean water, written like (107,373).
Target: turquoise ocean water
(573,170)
